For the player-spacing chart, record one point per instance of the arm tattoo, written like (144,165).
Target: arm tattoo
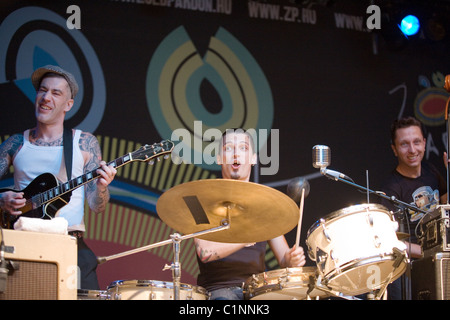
(206,255)
(97,199)
(8,150)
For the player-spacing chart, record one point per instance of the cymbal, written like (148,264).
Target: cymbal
(256,212)
(402,235)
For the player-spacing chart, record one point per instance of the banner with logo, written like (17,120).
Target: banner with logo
(297,73)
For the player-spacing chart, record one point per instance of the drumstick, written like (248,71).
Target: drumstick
(299,225)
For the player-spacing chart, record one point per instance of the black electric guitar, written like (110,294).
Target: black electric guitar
(45,195)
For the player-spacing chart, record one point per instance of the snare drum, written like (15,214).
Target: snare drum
(84,294)
(153,290)
(356,249)
(283,284)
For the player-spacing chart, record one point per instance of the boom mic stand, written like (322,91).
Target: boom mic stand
(380,194)
(447,87)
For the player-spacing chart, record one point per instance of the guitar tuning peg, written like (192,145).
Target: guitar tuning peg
(151,162)
(166,157)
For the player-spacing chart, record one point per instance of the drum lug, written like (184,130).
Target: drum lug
(400,256)
(325,231)
(282,283)
(370,219)
(321,259)
(376,241)
(395,225)
(265,278)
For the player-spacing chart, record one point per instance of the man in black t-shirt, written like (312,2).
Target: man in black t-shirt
(413,181)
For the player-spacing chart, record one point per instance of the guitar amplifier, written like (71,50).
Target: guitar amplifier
(430,277)
(41,266)
(435,234)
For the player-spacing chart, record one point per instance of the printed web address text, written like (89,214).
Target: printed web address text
(212,6)
(261,10)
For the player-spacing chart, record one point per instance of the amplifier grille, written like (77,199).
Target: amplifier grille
(445,265)
(32,281)
(430,277)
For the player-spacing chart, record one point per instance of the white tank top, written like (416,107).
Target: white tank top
(32,160)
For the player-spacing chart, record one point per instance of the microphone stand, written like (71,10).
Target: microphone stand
(392,199)
(398,203)
(447,87)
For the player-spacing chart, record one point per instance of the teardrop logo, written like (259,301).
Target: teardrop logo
(239,93)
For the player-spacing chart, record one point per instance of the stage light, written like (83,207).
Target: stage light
(409,25)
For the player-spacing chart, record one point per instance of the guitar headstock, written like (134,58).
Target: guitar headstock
(150,152)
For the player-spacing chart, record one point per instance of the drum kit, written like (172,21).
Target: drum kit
(356,250)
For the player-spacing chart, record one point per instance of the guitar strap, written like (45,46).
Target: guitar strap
(68,148)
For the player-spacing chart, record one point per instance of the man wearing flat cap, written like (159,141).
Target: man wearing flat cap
(41,150)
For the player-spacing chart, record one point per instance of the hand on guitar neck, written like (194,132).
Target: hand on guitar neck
(12,201)
(44,196)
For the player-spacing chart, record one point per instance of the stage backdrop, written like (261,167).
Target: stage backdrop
(298,73)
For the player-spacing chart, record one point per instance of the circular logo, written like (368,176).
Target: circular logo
(225,89)
(32,37)
(429,106)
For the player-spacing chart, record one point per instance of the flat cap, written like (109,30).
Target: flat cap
(39,73)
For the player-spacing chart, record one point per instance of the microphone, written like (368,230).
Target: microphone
(321,160)
(321,156)
(295,187)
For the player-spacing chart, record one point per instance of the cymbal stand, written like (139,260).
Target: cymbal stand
(175,266)
(175,240)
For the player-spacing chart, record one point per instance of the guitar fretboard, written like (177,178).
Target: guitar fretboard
(145,153)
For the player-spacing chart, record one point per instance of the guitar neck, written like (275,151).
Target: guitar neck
(77,182)
(145,153)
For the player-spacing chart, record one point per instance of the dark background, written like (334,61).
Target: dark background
(330,84)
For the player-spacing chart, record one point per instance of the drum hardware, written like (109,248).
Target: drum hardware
(208,206)
(376,241)
(320,286)
(435,235)
(325,232)
(175,241)
(153,290)
(370,219)
(402,235)
(196,205)
(175,266)
(400,257)
(372,295)
(283,284)
(84,294)
(205,202)
(321,259)
(347,261)
(340,279)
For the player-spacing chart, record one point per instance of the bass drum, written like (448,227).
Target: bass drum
(153,290)
(356,249)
